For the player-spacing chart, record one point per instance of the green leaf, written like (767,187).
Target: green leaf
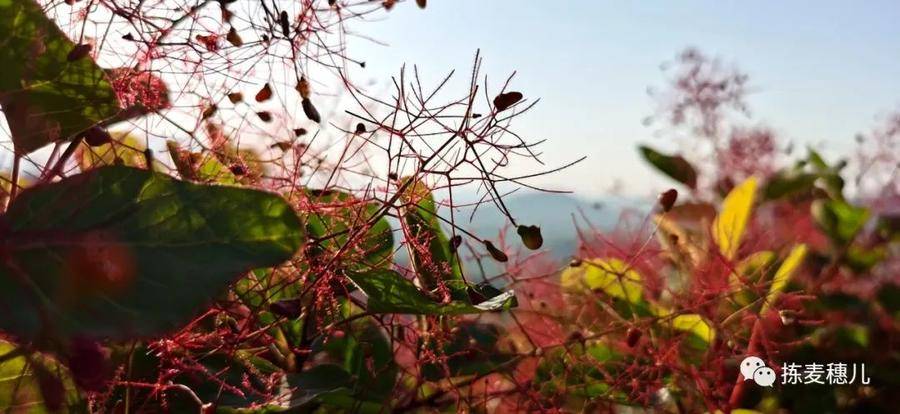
(430,252)
(839,220)
(45,97)
(728,228)
(789,183)
(472,350)
(675,166)
(21,383)
(317,381)
(338,213)
(388,292)
(121,252)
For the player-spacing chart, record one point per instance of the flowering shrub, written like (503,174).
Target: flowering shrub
(190,237)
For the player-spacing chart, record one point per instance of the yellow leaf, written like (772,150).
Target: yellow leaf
(728,228)
(694,324)
(612,276)
(784,274)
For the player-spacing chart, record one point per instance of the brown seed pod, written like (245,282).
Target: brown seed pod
(311,113)
(575,262)
(360,128)
(234,38)
(632,337)
(264,94)
(79,51)
(235,97)
(505,100)
(238,170)
(422,3)
(285,26)
(303,87)
(210,111)
(496,253)
(97,136)
(288,308)
(299,132)
(667,199)
(265,116)
(531,236)
(455,242)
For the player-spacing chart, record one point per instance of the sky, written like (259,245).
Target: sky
(821,71)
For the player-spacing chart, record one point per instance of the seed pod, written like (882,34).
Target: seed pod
(285,27)
(455,242)
(360,128)
(632,337)
(667,199)
(265,116)
(299,132)
(210,111)
(392,176)
(303,87)
(531,236)
(79,51)
(422,3)
(264,94)
(575,262)
(495,252)
(288,308)
(238,170)
(235,97)
(311,113)
(234,38)
(97,136)
(505,100)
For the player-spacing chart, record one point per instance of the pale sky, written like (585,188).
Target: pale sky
(821,70)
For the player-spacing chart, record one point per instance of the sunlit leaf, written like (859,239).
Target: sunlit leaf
(430,250)
(784,273)
(728,228)
(26,381)
(47,97)
(388,292)
(612,276)
(121,252)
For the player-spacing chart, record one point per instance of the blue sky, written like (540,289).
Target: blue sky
(821,70)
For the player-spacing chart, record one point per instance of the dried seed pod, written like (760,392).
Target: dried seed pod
(455,241)
(234,38)
(299,132)
(422,3)
(303,87)
(531,236)
(632,337)
(505,100)
(285,27)
(496,253)
(238,170)
(265,116)
(360,128)
(388,4)
(97,136)
(311,113)
(667,199)
(79,51)
(264,94)
(575,262)
(210,111)
(288,308)
(235,97)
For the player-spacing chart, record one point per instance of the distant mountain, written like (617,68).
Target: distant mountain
(556,215)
